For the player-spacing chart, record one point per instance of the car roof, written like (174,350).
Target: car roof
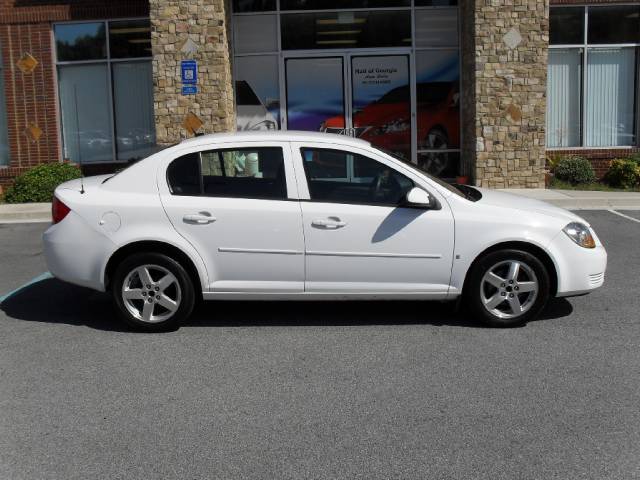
(282,136)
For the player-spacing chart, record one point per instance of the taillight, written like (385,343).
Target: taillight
(58,210)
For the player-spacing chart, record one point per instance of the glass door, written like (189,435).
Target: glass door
(363,96)
(315,94)
(381,101)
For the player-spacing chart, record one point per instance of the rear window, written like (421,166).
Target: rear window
(236,173)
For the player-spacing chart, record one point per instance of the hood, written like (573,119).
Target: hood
(518,202)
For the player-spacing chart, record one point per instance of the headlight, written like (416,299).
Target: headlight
(580,233)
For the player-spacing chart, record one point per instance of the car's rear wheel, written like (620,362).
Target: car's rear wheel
(152,292)
(507,288)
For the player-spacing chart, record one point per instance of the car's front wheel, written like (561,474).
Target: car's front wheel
(152,292)
(507,288)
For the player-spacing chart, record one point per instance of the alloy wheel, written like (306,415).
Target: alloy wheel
(509,289)
(151,293)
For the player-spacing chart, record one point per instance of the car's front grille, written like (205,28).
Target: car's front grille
(596,279)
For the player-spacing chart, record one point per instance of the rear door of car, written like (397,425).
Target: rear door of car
(236,203)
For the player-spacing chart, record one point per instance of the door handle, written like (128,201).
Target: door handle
(201,218)
(328,223)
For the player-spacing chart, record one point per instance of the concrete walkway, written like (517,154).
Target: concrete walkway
(582,199)
(569,199)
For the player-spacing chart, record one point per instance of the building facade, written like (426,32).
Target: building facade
(479,88)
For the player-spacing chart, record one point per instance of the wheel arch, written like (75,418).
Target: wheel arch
(535,250)
(154,246)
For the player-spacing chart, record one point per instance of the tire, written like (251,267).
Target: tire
(492,292)
(163,303)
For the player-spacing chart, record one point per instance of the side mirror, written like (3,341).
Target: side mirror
(419,198)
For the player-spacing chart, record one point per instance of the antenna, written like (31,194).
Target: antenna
(75,98)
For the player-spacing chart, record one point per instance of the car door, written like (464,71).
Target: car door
(237,205)
(358,236)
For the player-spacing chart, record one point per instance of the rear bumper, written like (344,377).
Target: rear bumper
(580,270)
(76,253)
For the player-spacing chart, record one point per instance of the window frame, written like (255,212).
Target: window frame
(350,171)
(108,61)
(230,148)
(585,46)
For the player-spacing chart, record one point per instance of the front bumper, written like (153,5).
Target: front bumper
(76,253)
(580,270)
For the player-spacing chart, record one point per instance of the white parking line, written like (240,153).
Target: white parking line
(624,216)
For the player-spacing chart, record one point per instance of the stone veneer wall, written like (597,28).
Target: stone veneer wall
(504,72)
(205,23)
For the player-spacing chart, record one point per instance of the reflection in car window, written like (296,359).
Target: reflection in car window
(416,168)
(239,173)
(345,177)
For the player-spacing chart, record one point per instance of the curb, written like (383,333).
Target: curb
(25,213)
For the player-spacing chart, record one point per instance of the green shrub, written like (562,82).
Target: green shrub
(574,169)
(635,158)
(38,183)
(623,173)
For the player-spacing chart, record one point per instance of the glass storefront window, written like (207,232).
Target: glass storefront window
(437,27)
(257,93)
(130,39)
(243,6)
(85,112)
(610,97)
(255,34)
(347,68)
(564,97)
(308,31)
(438,108)
(133,102)
(614,24)
(106,105)
(441,164)
(592,88)
(436,3)
(566,25)
(340,4)
(80,41)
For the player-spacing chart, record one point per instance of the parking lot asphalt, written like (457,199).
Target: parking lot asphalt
(319,390)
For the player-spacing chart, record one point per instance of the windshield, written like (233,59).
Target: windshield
(415,167)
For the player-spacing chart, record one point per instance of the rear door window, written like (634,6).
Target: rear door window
(257,173)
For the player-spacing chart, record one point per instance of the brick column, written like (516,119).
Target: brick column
(504,62)
(203,25)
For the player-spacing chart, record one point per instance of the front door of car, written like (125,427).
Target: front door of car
(231,202)
(359,235)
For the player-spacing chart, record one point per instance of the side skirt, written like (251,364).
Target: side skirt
(320,296)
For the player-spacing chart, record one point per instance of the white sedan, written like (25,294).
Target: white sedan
(303,216)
